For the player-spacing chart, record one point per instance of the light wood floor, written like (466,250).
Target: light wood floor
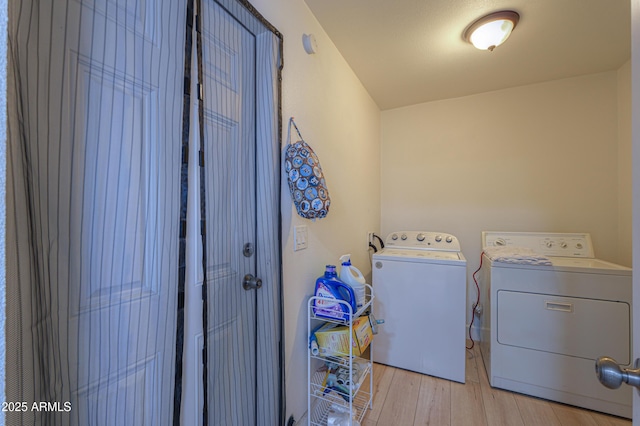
(404,398)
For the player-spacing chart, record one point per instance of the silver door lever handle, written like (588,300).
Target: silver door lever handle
(612,375)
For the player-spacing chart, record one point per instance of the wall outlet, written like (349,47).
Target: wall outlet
(369,239)
(478,309)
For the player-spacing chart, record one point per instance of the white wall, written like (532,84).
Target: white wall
(338,118)
(624,165)
(543,157)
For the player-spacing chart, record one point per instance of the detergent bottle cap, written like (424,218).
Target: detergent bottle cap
(330,270)
(345,259)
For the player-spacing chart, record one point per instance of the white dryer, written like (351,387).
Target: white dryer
(419,279)
(550,309)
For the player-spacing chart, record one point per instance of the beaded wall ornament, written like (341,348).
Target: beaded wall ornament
(306,181)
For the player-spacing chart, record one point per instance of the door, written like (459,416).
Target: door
(230,180)
(122,59)
(229,195)
(97,80)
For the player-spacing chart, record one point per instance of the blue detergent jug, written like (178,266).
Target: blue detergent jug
(329,289)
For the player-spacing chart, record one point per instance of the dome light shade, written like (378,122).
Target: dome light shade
(492,30)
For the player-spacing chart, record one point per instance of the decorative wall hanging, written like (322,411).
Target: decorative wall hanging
(306,180)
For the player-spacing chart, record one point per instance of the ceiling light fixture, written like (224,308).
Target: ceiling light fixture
(492,30)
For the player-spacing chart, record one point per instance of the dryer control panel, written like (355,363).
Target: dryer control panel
(424,240)
(544,243)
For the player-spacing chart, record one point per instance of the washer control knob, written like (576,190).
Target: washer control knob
(420,237)
(563,244)
(549,244)
(438,238)
(394,237)
(449,239)
(403,237)
(579,246)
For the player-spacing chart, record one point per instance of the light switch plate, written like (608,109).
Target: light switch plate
(300,237)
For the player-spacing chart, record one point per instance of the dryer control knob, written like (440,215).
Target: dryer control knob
(579,246)
(449,239)
(403,237)
(549,244)
(394,237)
(438,238)
(420,237)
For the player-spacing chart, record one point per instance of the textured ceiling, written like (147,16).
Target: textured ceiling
(411,51)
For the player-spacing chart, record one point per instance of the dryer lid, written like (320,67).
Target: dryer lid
(589,264)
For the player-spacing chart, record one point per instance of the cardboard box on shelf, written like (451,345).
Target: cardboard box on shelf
(335,341)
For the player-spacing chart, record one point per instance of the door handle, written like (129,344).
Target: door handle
(612,375)
(250,282)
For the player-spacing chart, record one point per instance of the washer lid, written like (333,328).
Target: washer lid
(429,256)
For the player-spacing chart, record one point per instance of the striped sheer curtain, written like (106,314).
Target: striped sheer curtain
(94,199)
(237,205)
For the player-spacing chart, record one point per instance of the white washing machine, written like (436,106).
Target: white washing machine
(550,309)
(419,280)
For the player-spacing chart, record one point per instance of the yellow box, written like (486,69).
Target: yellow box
(335,341)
